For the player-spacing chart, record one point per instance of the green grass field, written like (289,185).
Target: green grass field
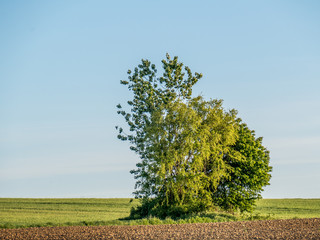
(289,208)
(24,212)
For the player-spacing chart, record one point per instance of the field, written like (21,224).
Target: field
(289,208)
(23,212)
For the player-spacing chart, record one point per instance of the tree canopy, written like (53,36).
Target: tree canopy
(194,155)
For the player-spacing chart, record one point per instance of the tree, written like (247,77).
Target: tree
(249,172)
(191,150)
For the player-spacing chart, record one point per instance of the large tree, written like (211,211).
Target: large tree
(194,154)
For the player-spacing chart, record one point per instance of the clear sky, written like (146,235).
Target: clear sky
(61,63)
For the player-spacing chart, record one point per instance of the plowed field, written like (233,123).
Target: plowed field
(271,229)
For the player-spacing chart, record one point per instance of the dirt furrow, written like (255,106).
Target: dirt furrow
(271,229)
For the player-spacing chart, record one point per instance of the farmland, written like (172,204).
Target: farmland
(26,212)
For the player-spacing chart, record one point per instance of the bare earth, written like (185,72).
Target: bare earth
(271,229)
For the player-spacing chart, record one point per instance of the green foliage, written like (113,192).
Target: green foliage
(184,157)
(249,172)
(194,154)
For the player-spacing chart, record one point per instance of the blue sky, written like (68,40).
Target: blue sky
(61,63)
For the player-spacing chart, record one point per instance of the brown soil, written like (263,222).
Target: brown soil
(271,229)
